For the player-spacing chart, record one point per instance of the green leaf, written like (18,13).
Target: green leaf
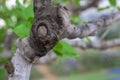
(75,19)
(64,1)
(2,73)
(24,1)
(28,12)
(63,48)
(10,23)
(2,34)
(19,4)
(22,30)
(77,2)
(118,8)
(113,2)
(87,38)
(25,12)
(3,60)
(1,49)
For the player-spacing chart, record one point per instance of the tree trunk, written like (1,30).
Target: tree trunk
(19,66)
(22,67)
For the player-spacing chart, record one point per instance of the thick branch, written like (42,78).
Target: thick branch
(91,28)
(20,65)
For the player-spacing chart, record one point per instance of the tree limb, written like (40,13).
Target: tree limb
(100,45)
(20,65)
(91,3)
(91,27)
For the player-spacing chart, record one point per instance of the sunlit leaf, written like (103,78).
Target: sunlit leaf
(63,48)
(64,0)
(22,30)
(77,2)
(28,12)
(87,38)
(113,2)
(24,1)
(19,4)
(75,20)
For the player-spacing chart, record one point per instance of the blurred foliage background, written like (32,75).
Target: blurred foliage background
(73,63)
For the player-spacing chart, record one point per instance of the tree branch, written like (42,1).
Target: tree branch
(19,67)
(104,44)
(100,45)
(91,3)
(91,27)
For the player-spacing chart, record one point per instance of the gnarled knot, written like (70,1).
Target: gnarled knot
(42,31)
(50,24)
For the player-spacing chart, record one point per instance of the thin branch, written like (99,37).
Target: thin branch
(104,44)
(91,27)
(91,3)
(100,45)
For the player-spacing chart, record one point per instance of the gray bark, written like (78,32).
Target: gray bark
(50,25)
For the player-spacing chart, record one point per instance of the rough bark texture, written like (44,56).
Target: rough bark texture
(19,67)
(91,27)
(50,25)
(48,28)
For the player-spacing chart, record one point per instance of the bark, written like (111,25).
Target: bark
(19,66)
(46,31)
(92,3)
(91,27)
(50,25)
(98,44)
